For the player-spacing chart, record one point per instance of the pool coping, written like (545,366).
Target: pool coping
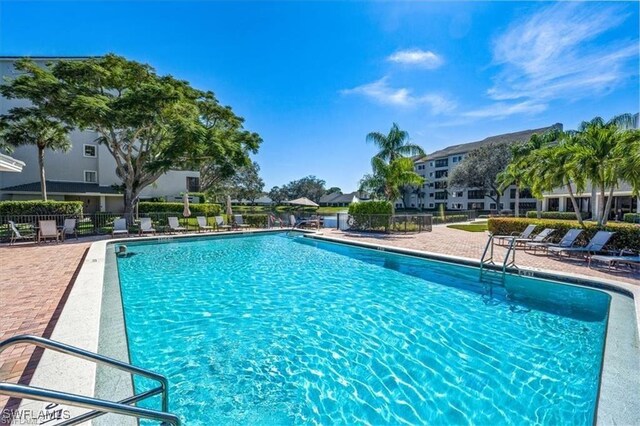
(79,322)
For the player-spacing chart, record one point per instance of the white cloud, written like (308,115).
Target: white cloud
(380,91)
(417,57)
(556,54)
(500,110)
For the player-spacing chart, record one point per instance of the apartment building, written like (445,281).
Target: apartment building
(87,172)
(437,166)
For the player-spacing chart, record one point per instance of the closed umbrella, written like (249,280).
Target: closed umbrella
(185,200)
(229,211)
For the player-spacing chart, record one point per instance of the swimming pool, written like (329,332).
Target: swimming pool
(278,330)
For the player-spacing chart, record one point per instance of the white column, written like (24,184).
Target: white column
(545,204)
(638,204)
(103,203)
(562,204)
(594,202)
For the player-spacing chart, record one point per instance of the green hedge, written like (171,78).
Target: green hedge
(371,215)
(17,208)
(631,217)
(626,236)
(145,207)
(256,220)
(556,215)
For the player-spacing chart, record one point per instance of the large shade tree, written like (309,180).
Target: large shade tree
(31,126)
(148,123)
(480,169)
(244,183)
(389,178)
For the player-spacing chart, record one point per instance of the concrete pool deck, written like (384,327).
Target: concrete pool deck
(82,318)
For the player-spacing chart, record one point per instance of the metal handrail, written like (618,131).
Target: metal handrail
(511,250)
(99,359)
(100,405)
(489,261)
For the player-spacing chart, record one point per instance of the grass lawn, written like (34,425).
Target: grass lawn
(473,227)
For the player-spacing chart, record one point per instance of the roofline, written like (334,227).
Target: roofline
(80,194)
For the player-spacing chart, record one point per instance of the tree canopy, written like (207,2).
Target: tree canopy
(394,145)
(245,183)
(149,123)
(480,169)
(310,187)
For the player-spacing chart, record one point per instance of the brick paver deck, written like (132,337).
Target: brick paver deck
(34,283)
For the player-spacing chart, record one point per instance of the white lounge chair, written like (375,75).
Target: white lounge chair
(69,228)
(239,221)
(202,224)
(220,223)
(524,235)
(16,235)
(146,226)
(48,230)
(120,227)
(174,225)
(568,240)
(595,245)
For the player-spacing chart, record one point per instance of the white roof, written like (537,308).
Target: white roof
(10,164)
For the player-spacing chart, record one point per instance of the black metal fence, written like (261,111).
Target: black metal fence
(89,224)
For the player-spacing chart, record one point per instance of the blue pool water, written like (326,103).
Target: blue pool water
(276,330)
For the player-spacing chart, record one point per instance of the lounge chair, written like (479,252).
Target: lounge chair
(120,227)
(239,222)
(541,237)
(146,226)
(202,224)
(174,225)
(568,240)
(622,258)
(69,228)
(220,223)
(48,230)
(16,235)
(524,235)
(595,245)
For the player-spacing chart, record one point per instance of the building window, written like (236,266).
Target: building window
(442,174)
(193,184)
(492,206)
(441,185)
(90,151)
(430,174)
(454,160)
(475,194)
(441,195)
(430,163)
(442,163)
(430,205)
(431,195)
(90,176)
(458,194)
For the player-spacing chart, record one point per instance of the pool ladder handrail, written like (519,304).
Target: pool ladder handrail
(511,253)
(99,406)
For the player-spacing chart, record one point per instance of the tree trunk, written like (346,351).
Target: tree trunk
(574,203)
(538,208)
(130,197)
(43,180)
(517,206)
(607,208)
(601,206)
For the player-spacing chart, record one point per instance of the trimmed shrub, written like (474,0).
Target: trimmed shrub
(556,215)
(371,215)
(452,218)
(626,236)
(17,208)
(631,217)
(145,207)
(256,220)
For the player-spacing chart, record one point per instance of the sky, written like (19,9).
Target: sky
(313,78)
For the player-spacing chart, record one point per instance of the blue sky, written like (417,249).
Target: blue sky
(313,78)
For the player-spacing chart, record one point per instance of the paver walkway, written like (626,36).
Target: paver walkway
(34,283)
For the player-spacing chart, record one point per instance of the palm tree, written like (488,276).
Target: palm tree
(29,126)
(512,175)
(595,157)
(398,173)
(394,145)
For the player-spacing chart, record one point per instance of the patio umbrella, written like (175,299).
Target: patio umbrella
(229,211)
(303,201)
(185,200)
